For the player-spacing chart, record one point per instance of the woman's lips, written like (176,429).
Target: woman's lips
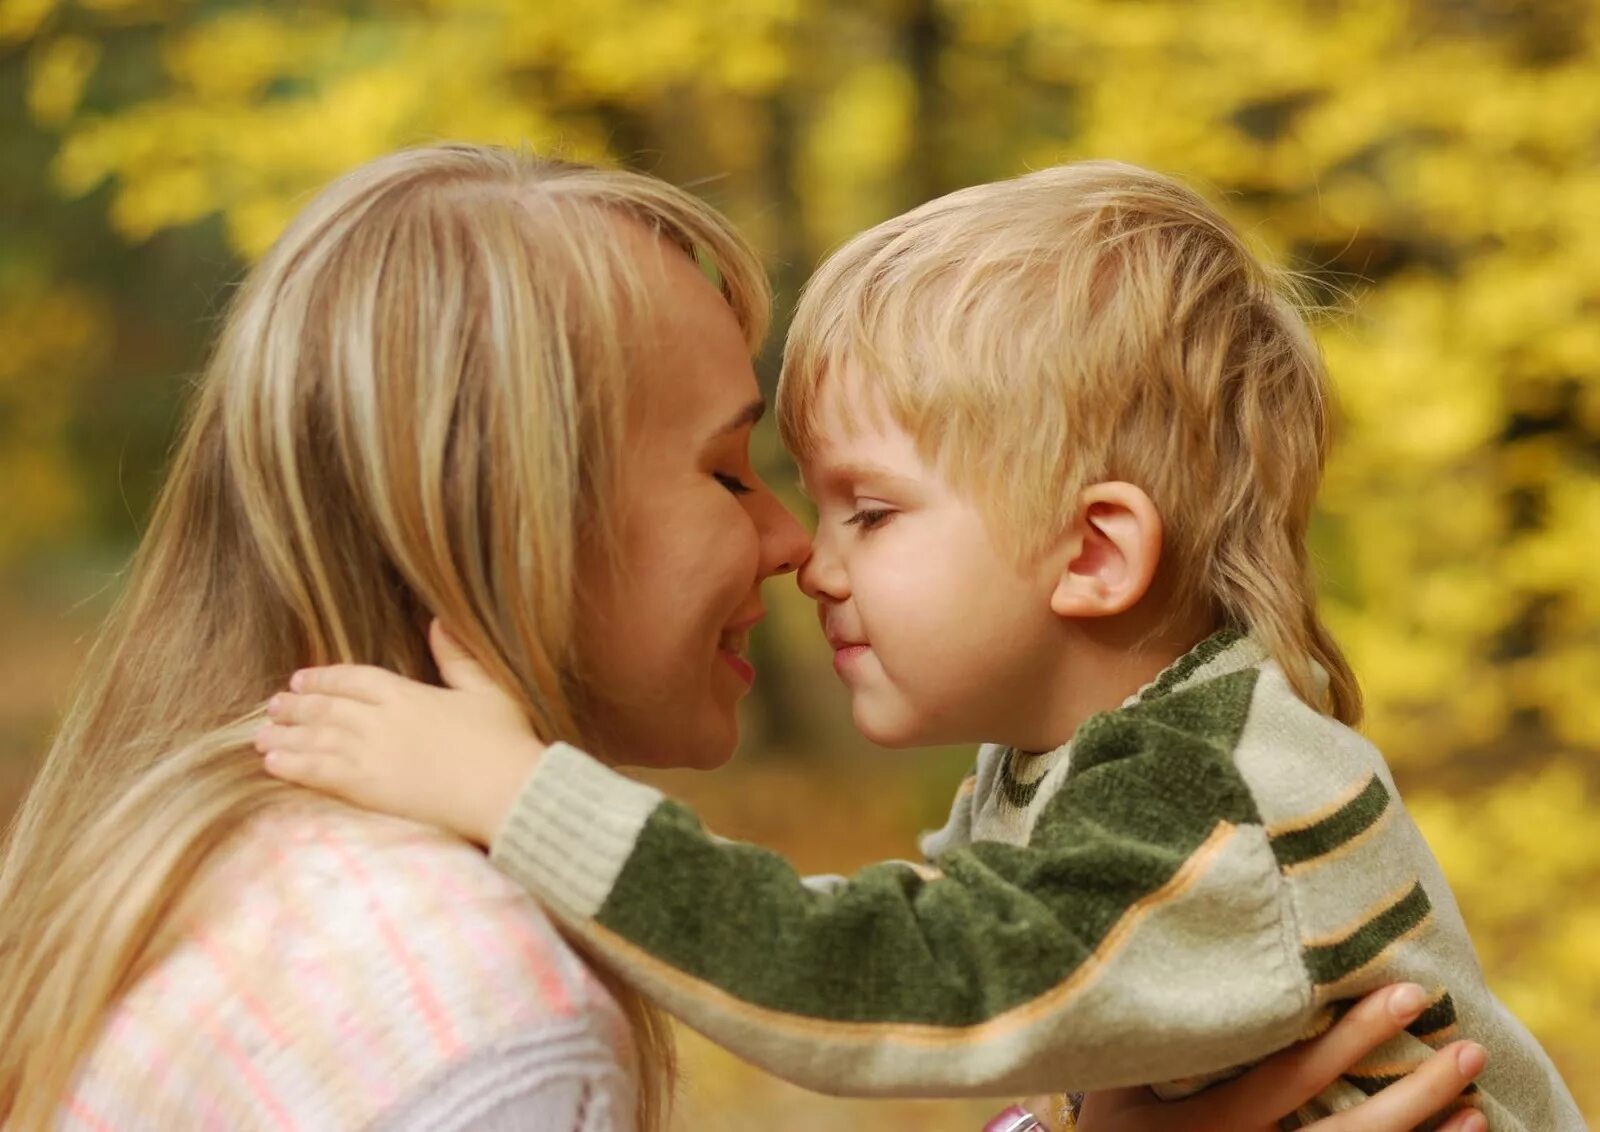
(741,667)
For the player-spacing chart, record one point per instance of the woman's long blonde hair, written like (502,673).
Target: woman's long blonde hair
(1087,322)
(414,409)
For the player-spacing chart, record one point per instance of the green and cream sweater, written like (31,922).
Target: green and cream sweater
(1201,877)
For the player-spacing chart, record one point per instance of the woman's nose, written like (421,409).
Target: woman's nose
(785,545)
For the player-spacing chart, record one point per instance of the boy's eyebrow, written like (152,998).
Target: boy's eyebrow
(746,416)
(862,471)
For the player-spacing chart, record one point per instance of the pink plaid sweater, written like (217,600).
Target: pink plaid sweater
(353,971)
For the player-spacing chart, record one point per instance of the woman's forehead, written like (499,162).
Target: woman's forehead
(692,373)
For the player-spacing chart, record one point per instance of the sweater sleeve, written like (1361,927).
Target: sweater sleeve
(1144,933)
(557,1078)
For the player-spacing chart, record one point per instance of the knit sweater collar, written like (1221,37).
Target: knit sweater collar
(1225,651)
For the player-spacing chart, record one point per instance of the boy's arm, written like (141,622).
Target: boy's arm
(1143,935)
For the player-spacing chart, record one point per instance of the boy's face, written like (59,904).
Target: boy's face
(939,634)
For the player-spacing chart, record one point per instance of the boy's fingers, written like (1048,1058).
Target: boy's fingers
(320,772)
(1287,1080)
(315,739)
(353,681)
(287,708)
(455,663)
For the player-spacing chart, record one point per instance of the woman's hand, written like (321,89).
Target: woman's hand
(454,757)
(1287,1080)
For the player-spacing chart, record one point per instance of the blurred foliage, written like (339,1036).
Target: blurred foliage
(1432,166)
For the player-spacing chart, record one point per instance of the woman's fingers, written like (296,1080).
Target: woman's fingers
(1466,1121)
(1292,1077)
(1421,1094)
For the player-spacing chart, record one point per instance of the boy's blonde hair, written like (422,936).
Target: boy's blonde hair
(1091,322)
(415,408)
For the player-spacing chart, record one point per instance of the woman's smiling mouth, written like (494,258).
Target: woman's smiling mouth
(732,646)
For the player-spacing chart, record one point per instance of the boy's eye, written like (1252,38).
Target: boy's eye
(732,483)
(869,517)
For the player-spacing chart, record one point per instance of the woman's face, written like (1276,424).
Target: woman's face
(662,639)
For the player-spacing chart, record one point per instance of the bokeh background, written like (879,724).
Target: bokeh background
(1433,165)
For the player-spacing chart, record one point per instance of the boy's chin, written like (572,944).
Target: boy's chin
(893,730)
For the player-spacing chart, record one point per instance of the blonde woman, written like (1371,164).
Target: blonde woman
(465,384)
(416,405)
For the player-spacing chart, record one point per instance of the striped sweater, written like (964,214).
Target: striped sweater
(1201,877)
(347,971)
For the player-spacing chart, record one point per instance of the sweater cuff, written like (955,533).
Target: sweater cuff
(571,830)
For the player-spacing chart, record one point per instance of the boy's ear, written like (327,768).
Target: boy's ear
(1114,547)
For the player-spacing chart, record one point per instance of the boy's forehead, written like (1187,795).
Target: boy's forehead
(856,439)
(835,423)
(845,404)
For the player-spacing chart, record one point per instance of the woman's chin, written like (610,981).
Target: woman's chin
(714,751)
(707,751)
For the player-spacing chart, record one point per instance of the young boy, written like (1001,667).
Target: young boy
(1064,435)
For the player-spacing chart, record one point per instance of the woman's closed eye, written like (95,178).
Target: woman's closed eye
(732,483)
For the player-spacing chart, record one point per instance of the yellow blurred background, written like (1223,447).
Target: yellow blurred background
(1433,166)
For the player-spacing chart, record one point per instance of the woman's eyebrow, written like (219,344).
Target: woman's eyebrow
(745,417)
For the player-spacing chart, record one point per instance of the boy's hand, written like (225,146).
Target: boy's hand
(454,757)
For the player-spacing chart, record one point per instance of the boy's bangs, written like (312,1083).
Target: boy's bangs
(859,354)
(826,387)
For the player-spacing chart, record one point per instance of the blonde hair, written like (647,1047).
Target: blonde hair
(1090,322)
(414,409)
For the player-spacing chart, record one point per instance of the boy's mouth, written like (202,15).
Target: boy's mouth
(840,641)
(845,655)
(845,651)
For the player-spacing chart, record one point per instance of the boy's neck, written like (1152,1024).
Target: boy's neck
(1106,660)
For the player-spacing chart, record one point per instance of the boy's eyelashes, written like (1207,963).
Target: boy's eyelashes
(732,483)
(869,518)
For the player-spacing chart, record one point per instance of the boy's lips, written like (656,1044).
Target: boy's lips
(837,639)
(845,655)
(845,651)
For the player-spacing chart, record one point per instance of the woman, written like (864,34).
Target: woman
(426,400)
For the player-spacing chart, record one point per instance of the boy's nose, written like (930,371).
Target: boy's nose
(822,578)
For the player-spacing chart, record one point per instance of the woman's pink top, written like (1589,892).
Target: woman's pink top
(354,971)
